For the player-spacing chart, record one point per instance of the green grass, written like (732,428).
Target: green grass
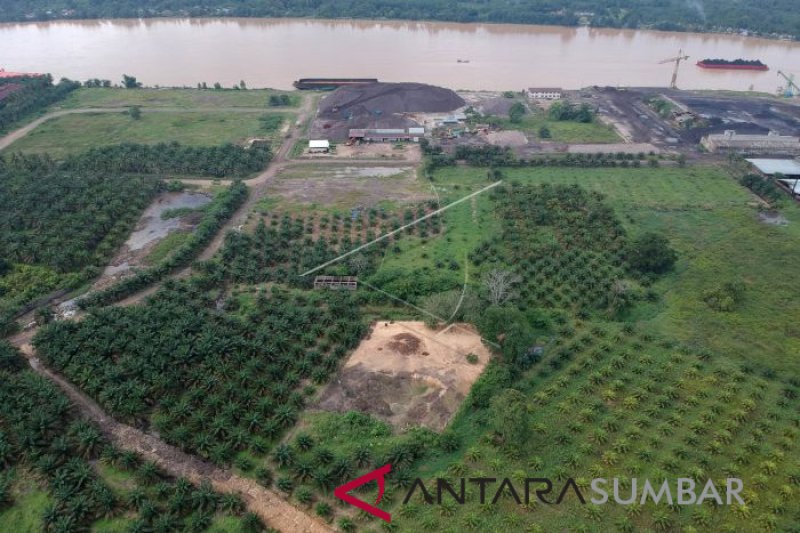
(563,131)
(112,525)
(713,223)
(120,481)
(189,98)
(165,246)
(226,524)
(682,367)
(30,501)
(75,133)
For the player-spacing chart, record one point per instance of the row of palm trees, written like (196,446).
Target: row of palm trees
(40,431)
(66,220)
(227,160)
(211,382)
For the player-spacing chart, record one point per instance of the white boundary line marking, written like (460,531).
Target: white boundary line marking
(402,228)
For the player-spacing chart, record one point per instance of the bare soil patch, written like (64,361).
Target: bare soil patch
(408,374)
(348,186)
(149,231)
(507,138)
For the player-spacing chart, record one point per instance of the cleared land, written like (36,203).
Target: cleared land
(74,133)
(345,186)
(408,374)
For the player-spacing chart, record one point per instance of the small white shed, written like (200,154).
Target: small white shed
(320,146)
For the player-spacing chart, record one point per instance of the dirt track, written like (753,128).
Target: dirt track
(274,510)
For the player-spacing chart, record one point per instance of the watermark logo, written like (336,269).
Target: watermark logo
(378,475)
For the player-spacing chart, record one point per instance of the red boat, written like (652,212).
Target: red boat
(736,64)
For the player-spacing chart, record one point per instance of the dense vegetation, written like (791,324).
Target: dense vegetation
(779,16)
(29,95)
(228,160)
(212,382)
(60,227)
(66,220)
(41,433)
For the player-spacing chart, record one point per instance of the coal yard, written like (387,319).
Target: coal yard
(379,106)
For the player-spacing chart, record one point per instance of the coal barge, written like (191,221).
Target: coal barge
(329,84)
(736,64)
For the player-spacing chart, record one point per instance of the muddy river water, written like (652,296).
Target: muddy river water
(273,53)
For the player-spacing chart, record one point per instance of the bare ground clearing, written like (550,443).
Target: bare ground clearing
(408,374)
(350,186)
(149,231)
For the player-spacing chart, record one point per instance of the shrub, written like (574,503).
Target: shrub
(651,253)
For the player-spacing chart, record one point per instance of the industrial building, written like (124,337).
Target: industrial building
(786,172)
(771,143)
(386,134)
(544,93)
(320,146)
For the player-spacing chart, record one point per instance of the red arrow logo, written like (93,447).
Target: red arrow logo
(378,475)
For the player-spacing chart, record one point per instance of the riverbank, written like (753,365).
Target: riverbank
(276,52)
(713,16)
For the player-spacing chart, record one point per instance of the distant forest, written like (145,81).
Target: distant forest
(766,17)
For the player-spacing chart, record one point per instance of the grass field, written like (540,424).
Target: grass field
(75,133)
(713,223)
(563,131)
(676,389)
(189,98)
(30,501)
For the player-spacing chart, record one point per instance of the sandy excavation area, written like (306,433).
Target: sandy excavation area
(408,374)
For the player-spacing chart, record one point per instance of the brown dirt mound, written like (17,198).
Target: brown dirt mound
(404,343)
(422,388)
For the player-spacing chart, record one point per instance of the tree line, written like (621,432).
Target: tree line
(41,431)
(64,219)
(29,95)
(227,160)
(213,377)
(776,17)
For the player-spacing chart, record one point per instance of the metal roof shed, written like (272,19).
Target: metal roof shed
(770,167)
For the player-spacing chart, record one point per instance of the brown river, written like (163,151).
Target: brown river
(273,53)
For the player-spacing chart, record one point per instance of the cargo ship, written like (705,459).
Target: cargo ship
(329,84)
(736,64)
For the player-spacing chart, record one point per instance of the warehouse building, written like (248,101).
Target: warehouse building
(771,143)
(320,146)
(387,134)
(544,93)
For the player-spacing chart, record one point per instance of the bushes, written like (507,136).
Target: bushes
(651,253)
(725,297)
(765,188)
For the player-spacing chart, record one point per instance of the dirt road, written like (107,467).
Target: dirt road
(271,507)
(273,510)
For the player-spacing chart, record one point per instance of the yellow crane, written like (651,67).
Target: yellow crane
(677,60)
(791,88)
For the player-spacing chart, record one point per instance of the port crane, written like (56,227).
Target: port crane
(677,60)
(791,88)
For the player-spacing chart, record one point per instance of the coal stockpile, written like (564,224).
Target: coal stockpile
(380,105)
